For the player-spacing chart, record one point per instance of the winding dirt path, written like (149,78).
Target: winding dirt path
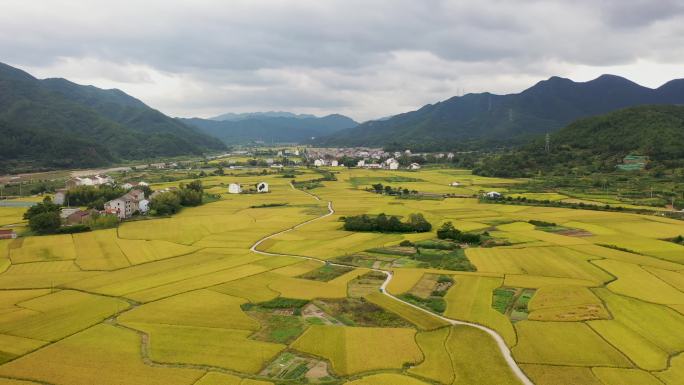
(505,351)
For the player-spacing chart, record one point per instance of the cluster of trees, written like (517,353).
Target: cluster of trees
(170,202)
(378,188)
(92,196)
(43,218)
(448,231)
(416,223)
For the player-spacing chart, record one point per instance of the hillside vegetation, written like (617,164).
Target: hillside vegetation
(599,144)
(54,123)
(474,121)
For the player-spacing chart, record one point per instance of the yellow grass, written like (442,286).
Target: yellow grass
(103,355)
(543,261)
(555,375)
(565,303)
(674,374)
(253,288)
(18,345)
(215,378)
(386,379)
(636,282)
(98,250)
(449,356)
(230,349)
(354,350)
(404,279)
(309,289)
(44,248)
(564,343)
(437,363)
(634,332)
(617,376)
(43,267)
(420,318)
(653,247)
(54,316)
(536,281)
(202,308)
(470,299)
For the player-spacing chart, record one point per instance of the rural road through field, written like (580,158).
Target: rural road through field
(505,351)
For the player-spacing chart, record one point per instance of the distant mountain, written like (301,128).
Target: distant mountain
(600,143)
(485,119)
(251,115)
(54,123)
(276,129)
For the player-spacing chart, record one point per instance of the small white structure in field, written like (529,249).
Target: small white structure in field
(493,195)
(144,206)
(414,166)
(455,184)
(262,187)
(334,163)
(361,163)
(319,162)
(234,188)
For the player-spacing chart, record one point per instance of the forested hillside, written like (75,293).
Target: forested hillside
(474,121)
(599,144)
(55,123)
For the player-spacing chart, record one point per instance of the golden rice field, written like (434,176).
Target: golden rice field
(183,300)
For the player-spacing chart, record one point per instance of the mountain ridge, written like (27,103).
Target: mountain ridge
(486,119)
(55,123)
(276,129)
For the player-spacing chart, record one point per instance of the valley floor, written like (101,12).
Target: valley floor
(221,293)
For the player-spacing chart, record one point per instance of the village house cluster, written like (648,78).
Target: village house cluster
(374,158)
(123,207)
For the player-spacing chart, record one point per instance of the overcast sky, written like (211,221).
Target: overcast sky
(362,58)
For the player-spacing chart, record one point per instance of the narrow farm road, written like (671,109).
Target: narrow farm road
(505,351)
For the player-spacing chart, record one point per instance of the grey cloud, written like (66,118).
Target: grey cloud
(365,57)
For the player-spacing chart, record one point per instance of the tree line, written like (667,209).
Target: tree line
(383,223)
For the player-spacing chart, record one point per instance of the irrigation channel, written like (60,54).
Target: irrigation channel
(505,351)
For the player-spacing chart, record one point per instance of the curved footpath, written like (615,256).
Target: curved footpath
(383,288)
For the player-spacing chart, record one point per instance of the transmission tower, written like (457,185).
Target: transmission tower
(547,143)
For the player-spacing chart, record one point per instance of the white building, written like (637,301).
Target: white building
(234,188)
(130,185)
(95,180)
(361,163)
(60,197)
(319,162)
(334,163)
(392,164)
(144,206)
(262,187)
(414,166)
(125,205)
(455,184)
(493,195)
